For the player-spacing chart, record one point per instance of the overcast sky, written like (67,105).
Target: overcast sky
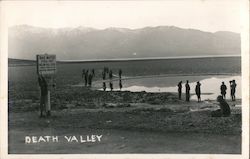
(198,14)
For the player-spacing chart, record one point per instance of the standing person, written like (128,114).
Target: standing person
(44,92)
(233,89)
(90,79)
(223,89)
(179,89)
(110,74)
(198,91)
(111,86)
(187,91)
(83,74)
(110,80)
(224,110)
(104,86)
(93,72)
(104,77)
(86,77)
(120,84)
(120,73)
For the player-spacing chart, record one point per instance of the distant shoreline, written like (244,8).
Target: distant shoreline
(147,58)
(26,62)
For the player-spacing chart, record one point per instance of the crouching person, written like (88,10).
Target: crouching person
(224,110)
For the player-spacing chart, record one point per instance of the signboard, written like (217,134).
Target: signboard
(46,64)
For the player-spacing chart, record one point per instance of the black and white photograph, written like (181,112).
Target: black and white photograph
(126,78)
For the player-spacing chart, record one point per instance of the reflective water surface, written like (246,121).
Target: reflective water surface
(210,86)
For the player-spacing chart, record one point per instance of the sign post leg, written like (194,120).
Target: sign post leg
(48,104)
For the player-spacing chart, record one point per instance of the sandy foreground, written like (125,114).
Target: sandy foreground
(129,122)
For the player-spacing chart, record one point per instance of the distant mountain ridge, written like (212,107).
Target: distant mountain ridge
(89,43)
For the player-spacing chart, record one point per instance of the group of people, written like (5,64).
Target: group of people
(110,74)
(187,86)
(223,89)
(88,76)
(224,110)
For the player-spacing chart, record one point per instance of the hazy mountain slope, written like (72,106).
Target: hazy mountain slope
(89,43)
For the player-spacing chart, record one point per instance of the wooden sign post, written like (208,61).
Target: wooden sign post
(46,68)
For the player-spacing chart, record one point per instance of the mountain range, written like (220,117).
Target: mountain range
(83,43)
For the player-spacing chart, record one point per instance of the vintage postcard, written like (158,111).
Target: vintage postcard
(125,79)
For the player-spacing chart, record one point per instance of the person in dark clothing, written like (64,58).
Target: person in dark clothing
(179,89)
(120,73)
(44,92)
(110,74)
(93,72)
(233,89)
(120,84)
(86,77)
(104,86)
(90,79)
(224,110)
(110,78)
(223,89)
(83,74)
(103,75)
(198,91)
(111,86)
(187,91)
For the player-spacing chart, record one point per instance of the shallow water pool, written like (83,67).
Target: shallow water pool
(210,85)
